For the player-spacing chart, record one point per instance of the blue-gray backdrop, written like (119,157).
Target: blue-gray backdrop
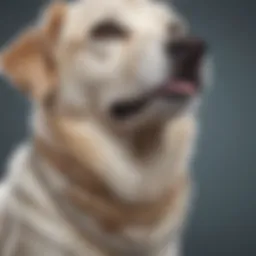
(224,219)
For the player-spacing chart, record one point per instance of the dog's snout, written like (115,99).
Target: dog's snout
(186,55)
(186,48)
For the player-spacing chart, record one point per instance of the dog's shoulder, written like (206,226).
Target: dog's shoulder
(13,170)
(8,222)
(18,158)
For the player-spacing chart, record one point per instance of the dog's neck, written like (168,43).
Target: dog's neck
(146,141)
(100,193)
(90,198)
(92,194)
(152,155)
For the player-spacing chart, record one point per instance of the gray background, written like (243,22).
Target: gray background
(223,222)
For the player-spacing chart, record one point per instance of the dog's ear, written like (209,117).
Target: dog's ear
(29,62)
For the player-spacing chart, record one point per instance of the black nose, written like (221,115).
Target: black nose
(186,54)
(188,47)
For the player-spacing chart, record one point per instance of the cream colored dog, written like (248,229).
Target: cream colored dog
(115,87)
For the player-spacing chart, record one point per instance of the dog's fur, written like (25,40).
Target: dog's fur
(86,183)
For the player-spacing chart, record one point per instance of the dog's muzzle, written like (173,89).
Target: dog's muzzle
(186,55)
(184,81)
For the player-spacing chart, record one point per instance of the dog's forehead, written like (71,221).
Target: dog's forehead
(82,15)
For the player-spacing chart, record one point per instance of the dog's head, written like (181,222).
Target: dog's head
(122,62)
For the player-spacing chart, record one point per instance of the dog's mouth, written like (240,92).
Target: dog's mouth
(183,84)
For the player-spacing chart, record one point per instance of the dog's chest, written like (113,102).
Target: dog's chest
(135,239)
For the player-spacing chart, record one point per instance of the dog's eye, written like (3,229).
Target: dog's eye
(109,30)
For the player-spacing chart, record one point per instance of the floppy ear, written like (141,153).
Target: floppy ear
(29,61)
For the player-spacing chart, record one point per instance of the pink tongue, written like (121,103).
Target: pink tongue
(181,87)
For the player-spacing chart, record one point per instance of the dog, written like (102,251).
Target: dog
(115,87)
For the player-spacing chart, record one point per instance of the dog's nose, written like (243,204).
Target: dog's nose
(186,55)
(188,48)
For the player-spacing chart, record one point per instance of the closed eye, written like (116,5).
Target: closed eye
(109,30)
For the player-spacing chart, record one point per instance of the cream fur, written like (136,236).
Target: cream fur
(36,216)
